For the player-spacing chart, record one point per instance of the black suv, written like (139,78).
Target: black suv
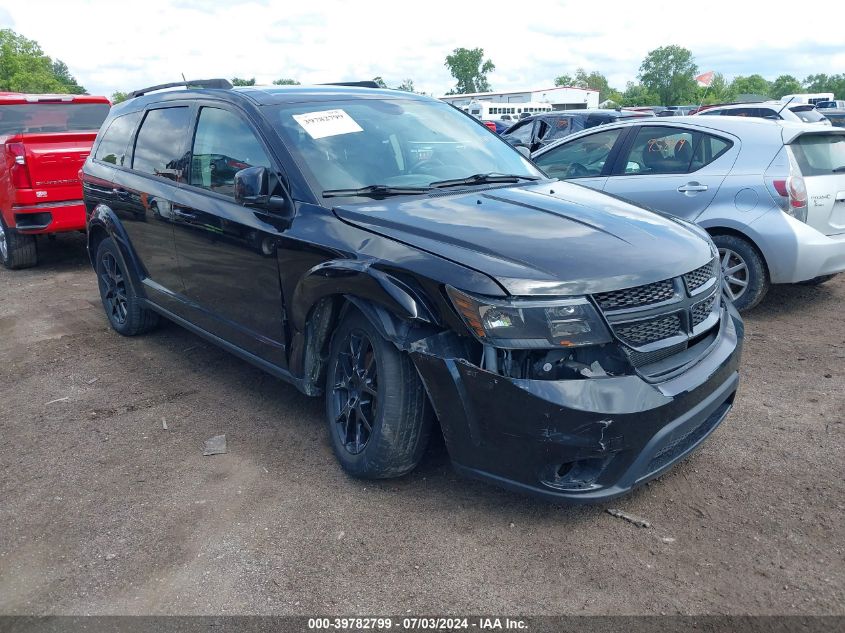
(385,250)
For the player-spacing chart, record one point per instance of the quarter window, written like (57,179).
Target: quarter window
(112,147)
(658,150)
(224,144)
(159,143)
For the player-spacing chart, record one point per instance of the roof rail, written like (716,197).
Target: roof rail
(194,83)
(354,84)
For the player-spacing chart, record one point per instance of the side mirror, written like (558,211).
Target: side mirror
(252,186)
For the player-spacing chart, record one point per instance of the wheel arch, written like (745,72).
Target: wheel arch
(399,311)
(103,224)
(721,229)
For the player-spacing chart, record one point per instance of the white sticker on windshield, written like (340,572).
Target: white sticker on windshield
(327,123)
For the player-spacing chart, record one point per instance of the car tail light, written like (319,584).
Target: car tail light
(17,159)
(490,125)
(790,193)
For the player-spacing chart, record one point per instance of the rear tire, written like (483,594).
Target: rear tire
(17,250)
(744,276)
(817,281)
(123,307)
(377,411)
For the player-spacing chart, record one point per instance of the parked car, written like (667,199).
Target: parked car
(536,131)
(836,117)
(45,138)
(798,112)
(383,250)
(770,193)
(838,104)
(497,126)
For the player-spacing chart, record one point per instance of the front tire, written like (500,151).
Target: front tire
(744,276)
(377,411)
(17,250)
(123,307)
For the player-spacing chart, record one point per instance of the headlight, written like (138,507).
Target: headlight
(519,324)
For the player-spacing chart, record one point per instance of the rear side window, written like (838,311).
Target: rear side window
(664,150)
(160,142)
(819,154)
(224,144)
(112,147)
(808,114)
(712,112)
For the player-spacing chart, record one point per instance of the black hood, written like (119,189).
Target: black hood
(542,239)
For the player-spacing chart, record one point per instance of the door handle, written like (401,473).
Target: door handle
(692,187)
(181,213)
(122,194)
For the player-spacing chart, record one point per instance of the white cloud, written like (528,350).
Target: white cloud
(124,45)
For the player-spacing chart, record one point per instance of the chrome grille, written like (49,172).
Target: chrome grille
(638,296)
(701,310)
(650,331)
(700,276)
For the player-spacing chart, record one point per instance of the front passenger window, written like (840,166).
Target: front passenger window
(581,158)
(224,144)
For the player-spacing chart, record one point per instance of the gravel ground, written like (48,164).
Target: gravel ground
(105,512)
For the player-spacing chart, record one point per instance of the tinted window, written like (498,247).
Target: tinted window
(837,119)
(160,143)
(712,112)
(580,158)
(223,145)
(665,150)
(819,154)
(115,140)
(52,117)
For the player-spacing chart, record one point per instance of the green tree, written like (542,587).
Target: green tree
(669,72)
(564,80)
(24,67)
(60,70)
(593,81)
(751,85)
(379,82)
(118,97)
(638,95)
(784,85)
(285,82)
(826,83)
(407,85)
(237,81)
(470,69)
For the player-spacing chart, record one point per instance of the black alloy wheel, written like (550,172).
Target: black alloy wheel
(113,289)
(355,394)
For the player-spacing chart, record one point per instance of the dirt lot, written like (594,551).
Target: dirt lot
(105,511)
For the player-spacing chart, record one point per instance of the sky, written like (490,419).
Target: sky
(122,45)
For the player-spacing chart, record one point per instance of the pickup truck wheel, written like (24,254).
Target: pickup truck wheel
(744,276)
(377,410)
(16,250)
(123,307)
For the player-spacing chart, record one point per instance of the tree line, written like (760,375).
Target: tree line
(666,77)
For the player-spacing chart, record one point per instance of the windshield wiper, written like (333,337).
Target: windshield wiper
(480,179)
(375,191)
(839,169)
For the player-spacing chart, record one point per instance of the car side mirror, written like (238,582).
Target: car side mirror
(253,189)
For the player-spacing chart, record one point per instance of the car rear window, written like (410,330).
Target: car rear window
(33,118)
(115,140)
(808,114)
(819,154)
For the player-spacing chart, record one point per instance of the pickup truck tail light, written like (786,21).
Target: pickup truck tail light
(16,153)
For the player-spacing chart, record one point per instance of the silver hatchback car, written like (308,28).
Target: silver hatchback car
(770,193)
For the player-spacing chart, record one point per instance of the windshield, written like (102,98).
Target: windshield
(32,118)
(819,154)
(357,143)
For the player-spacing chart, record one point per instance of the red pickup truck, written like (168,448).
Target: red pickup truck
(45,139)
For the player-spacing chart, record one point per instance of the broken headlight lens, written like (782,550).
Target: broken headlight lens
(521,324)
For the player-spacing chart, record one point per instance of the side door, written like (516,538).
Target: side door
(586,160)
(671,169)
(143,198)
(226,251)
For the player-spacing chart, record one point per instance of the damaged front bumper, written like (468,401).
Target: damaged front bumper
(585,440)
